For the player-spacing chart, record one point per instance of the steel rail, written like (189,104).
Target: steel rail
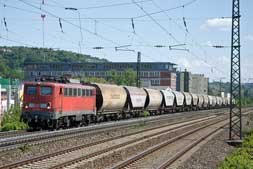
(143,154)
(189,147)
(70,162)
(44,137)
(47,156)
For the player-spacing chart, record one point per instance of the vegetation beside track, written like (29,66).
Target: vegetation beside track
(247,101)
(242,158)
(11,120)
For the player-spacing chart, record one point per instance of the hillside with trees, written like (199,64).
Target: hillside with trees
(12,59)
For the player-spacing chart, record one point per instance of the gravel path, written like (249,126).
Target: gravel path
(212,153)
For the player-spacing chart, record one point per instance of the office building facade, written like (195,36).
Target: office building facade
(157,75)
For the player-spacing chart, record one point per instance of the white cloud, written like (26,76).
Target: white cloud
(221,24)
(218,22)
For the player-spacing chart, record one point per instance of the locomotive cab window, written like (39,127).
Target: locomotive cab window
(31,90)
(70,92)
(79,92)
(46,90)
(87,92)
(83,92)
(74,92)
(65,91)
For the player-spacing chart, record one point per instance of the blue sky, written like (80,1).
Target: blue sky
(109,27)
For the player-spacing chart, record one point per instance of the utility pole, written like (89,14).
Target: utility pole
(0,104)
(80,27)
(221,84)
(138,81)
(43,34)
(220,88)
(235,125)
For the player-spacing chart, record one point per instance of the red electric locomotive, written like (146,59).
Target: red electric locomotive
(50,104)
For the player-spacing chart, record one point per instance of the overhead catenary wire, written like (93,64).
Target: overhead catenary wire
(187,32)
(21,9)
(15,41)
(94,31)
(165,10)
(60,24)
(154,20)
(113,5)
(77,26)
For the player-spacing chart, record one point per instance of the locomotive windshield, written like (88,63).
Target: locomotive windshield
(46,90)
(31,90)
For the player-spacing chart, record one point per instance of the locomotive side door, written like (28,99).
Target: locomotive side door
(61,95)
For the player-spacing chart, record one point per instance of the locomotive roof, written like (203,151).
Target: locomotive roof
(61,84)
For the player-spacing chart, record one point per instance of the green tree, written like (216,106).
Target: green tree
(129,77)
(114,77)
(93,80)
(12,59)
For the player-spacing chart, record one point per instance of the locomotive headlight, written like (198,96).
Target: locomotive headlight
(48,106)
(26,106)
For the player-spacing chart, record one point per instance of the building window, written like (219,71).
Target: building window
(155,82)
(151,74)
(157,74)
(141,74)
(145,74)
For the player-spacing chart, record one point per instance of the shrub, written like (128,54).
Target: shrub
(146,114)
(11,120)
(241,158)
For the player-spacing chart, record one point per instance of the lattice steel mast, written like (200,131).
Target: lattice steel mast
(235,133)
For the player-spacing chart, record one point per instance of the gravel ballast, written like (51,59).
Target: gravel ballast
(37,150)
(211,154)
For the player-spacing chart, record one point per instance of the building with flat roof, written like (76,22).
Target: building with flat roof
(199,84)
(193,83)
(158,75)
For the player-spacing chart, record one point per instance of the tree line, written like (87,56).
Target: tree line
(12,59)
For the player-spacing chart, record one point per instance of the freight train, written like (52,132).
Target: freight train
(57,104)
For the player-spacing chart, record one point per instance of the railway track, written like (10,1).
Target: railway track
(163,155)
(8,134)
(24,139)
(81,153)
